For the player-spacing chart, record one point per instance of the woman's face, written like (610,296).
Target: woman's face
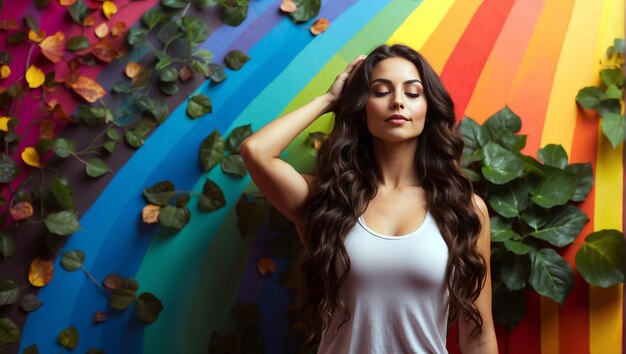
(396,105)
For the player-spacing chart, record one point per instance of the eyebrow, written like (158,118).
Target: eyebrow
(388,82)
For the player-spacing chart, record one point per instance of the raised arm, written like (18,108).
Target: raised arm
(486,342)
(285,188)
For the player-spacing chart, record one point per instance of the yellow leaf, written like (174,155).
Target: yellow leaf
(35,77)
(5,71)
(31,157)
(21,211)
(36,36)
(133,69)
(4,123)
(102,30)
(150,213)
(40,272)
(88,89)
(108,9)
(53,47)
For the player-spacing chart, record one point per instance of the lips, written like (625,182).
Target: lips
(396,117)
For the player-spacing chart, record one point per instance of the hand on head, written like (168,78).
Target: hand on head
(335,89)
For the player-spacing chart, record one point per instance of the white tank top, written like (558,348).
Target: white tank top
(396,293)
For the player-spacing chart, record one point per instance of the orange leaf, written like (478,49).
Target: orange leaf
(31,157)
(266,266)
(46,131)
(7,25)
(90,90)
(22,210)
(74,66)
(133,69)
(118,28)
(35,77)
(113,281)
(185,73)
(53,47)
(5,71)
(102,30)
(288,6)
(319,26)
(89,21)
(40,272)
(57,110)
(4,123)
(108,9)
(36,36)
(104,50)
(99,317)
(67,2)
(150,213)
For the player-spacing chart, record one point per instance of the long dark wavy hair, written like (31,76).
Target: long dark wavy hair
(347,180)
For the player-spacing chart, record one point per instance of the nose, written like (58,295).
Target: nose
(397,102)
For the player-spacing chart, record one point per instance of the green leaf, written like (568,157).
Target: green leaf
(201,67)
(122,298)
(212,197)
(562,226)
(164,62)
(233,11)
(550,275)
(140,132)
(171,216)
(472,175)
(7,245)
(237,136)
(148,307)
(160,193)
(509,199)
(233,165)
(9,292)
(8,168)
(63,147)
(62,192)
(205,55)
(613,92)
(584,180)
(609,106)
(77,43)
(251,212)
(196,30)
(247,315)
(78,11)
(508,307)
(136,36)
(500,165)
(41,4)
(307,9)
(235,59)
(113,134)
(212,150)
(514,271)
(517,247)
(199,105)
(175,4)
(96,167)
(153,17)
(613,128)
(62,223)
(73,260)
(590,97)
(170,31)
(600,260)
(169,88)
(182,200)
(168,74)
(110,146)
(9,332)
(556,188)
(94,116)
(69,337)
(553,155)
(30,303)
(505,119)
(216,73)
(157,108)
(500,229)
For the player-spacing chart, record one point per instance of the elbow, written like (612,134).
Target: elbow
(247,150)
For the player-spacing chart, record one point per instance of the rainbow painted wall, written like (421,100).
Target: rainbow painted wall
(532,55)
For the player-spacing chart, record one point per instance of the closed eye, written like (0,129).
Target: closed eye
(412,95)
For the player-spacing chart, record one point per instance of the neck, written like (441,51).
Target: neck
(396,163)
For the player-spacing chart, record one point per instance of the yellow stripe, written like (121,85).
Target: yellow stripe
(578,51)
(549,326)
(421,23)
(605,305)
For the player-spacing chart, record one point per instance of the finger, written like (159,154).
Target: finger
(355,62)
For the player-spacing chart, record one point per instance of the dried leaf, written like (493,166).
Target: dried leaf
(150,213)
(74,67)
(5,71)
(53,47)
(319,26)
(109,8)
(7,25)
(67,2)
(89,21)
(266,266)
(89,89)
(102,30)
(31,157)
(99,317)
(40,272)
(36,36)
(35,77)
(104,50)
(133,69)
(288,6)
(185,73)
(46,130)
(21,211)
(118,28)
(4,123)
(113,281)
(57,110)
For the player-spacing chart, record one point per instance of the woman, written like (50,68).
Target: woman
(396,245)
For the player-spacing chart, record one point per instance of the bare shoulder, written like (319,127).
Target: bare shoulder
(310,180)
